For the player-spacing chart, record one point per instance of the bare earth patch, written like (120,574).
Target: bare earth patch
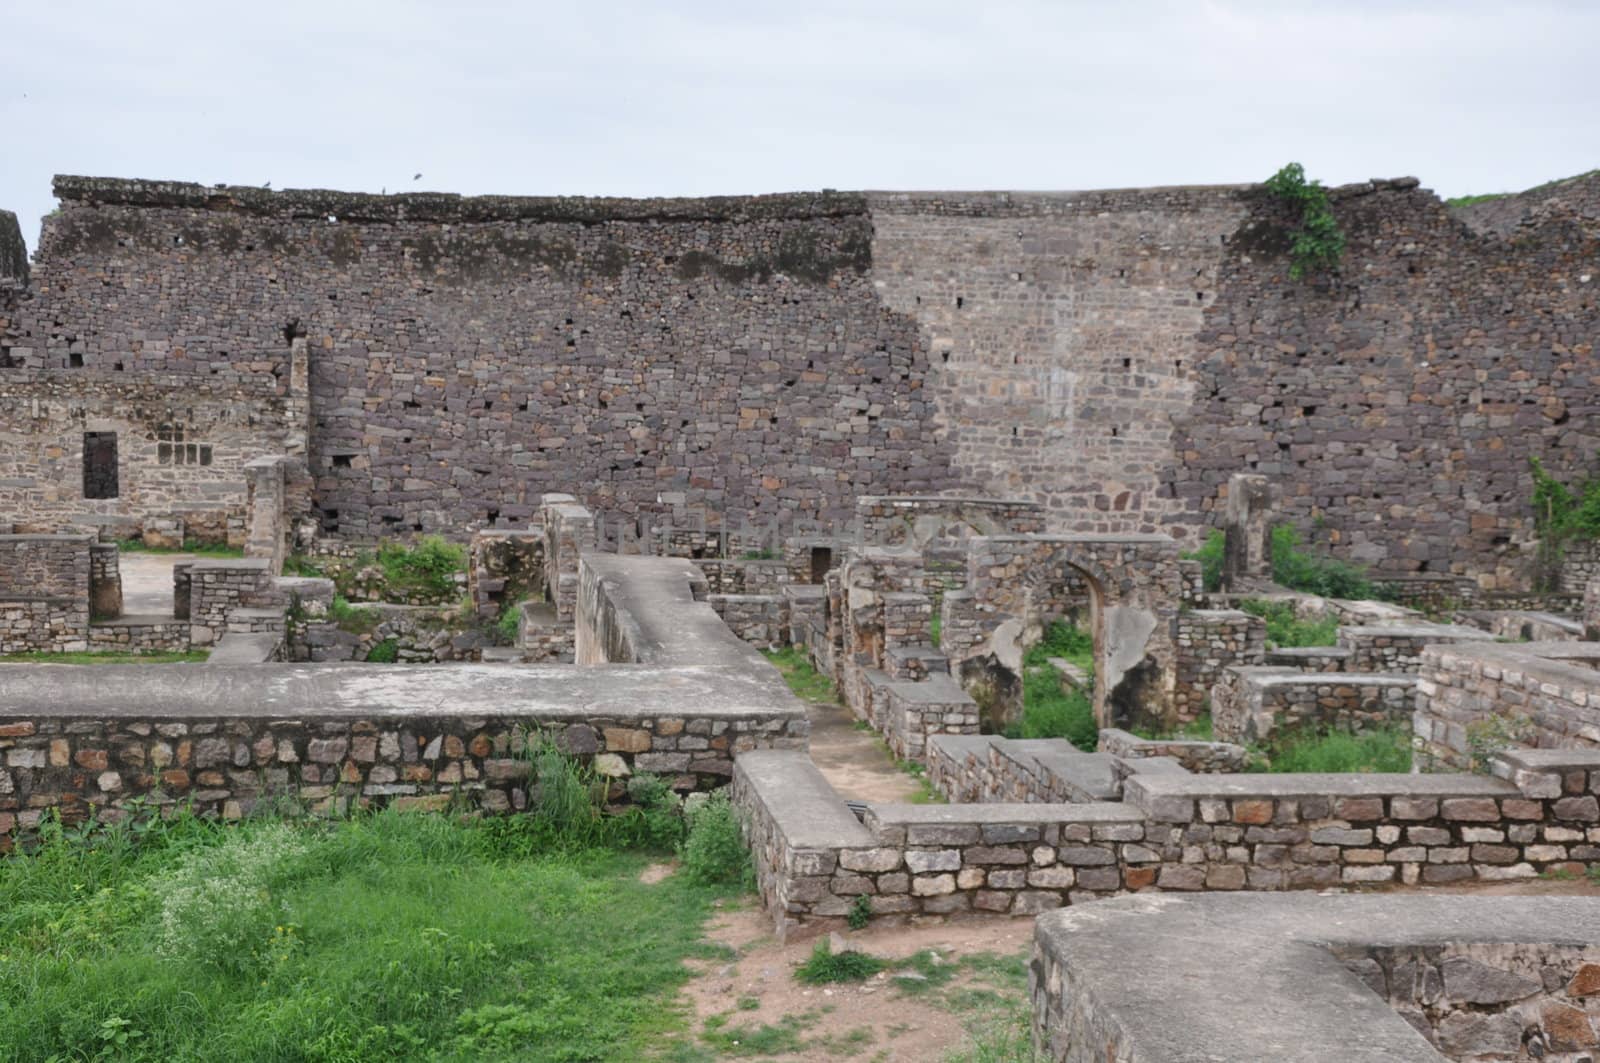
(756,1000)
(657,873)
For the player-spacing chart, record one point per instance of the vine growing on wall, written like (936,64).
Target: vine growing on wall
(1560,515)
(1318,241)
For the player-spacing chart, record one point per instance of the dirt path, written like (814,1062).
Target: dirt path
(855,761)
(754,1006)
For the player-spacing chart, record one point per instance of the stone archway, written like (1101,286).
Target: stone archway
(1134,585)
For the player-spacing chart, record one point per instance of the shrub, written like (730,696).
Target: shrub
(1047,710)
(355,619)
(860,913)
(1210,557)
(505,628)
(385,652)
(1322,576)
(217,900)
(1562,514)
(714,851)
(1286,629)
(825,966)
(1318,242)
(428,568)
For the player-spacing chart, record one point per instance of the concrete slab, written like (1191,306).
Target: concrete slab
(1239,979)
(323,690)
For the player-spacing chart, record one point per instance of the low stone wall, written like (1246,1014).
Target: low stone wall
(759,619)
(336,736)
(217,589)
(135,635)
(918,710)
(421,635)
(1314,831)
(1207,641)
(1250,705)
(1396,648)
(1200,757)
(1177,832)
(44,593)
(1310,658)
(1473,699)
(1436,592)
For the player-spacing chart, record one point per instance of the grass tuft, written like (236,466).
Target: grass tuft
(108,657)
(825,966)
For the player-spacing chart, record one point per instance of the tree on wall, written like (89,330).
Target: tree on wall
(1318,242)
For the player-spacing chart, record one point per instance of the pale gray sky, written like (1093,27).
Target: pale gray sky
(693,97)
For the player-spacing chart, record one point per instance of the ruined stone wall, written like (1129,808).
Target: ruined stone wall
(224,420)
(1397,406)
(1064,326)
(44,593)
(1115,356)
(468,355)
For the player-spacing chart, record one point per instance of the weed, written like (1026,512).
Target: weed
(508,623)
(860,913)
(1324,576)
(824,966)
(1495,734)
(766,553)
(1210,556)
(1285,628)
(354,619)
(385,652)
(430,567)
(1379,750)
(714,850)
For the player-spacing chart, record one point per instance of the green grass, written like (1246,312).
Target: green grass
(1379,750)
(824,966)
(1313,573)
(1285,629)
(108,657)
(1210,555)
(1198,729)
(1047,710)
(428,569)
(807,683)
(389,936)
(190,546)
(385,652)
(355,619)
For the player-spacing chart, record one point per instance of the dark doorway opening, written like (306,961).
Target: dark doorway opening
(100,465)
(821,562)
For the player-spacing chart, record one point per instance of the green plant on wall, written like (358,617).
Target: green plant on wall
(1318,242)
(1562,514)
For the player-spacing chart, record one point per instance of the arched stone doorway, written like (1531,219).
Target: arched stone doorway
(1133,586)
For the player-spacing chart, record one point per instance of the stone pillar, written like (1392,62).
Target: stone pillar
(1247,557)
(267,529)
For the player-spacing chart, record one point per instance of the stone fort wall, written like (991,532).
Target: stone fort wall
(1114,355)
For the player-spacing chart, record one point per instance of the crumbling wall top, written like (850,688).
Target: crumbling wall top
(447,207)
(13,250)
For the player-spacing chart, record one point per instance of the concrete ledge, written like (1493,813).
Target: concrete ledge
(1288,978)
(801,802)
(342,690)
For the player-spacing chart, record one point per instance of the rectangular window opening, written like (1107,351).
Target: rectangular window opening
(100,465)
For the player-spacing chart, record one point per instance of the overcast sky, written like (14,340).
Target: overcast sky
(691,97)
